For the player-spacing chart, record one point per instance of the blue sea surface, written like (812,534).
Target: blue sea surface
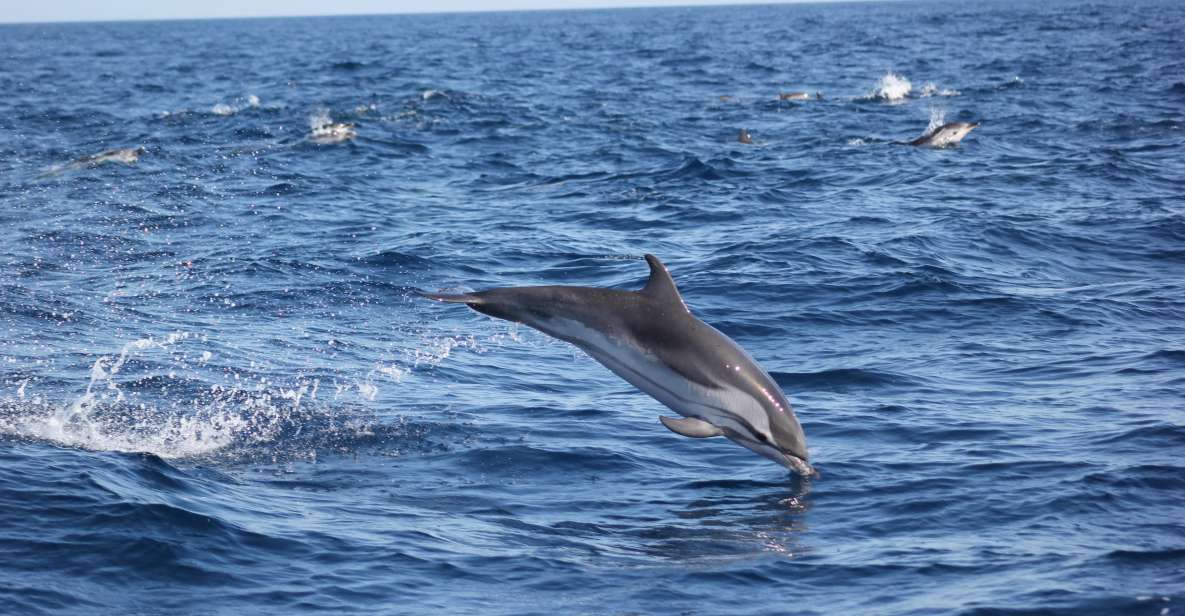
(219,393)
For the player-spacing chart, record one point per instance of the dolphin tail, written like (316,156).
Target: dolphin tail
(459,298)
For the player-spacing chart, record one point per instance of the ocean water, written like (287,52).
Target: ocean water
(219,395)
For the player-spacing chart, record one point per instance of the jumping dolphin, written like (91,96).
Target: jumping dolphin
(651,339)
(945,135)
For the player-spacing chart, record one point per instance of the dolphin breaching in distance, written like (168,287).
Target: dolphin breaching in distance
(127,156)
(945,135)
(651,339)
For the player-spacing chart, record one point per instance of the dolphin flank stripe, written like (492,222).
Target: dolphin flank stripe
(650,338)
(607,357)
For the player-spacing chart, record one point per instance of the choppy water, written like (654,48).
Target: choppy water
(218,395)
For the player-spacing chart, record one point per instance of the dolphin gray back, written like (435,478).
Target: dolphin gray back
(655,318)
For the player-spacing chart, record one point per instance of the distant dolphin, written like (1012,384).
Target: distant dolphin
(126,156)
(945,135)
(333,132)
(799,96)
(651,339)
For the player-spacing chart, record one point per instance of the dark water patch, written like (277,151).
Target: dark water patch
(1168,356)
(1148,557)
(1143,478)
(398,260)
(516,460)
(347,65)
(1153,436)
(844,380)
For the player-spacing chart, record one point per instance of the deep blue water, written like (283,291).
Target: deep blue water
(218,394)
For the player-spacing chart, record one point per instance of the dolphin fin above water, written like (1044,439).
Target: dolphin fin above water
(651,339)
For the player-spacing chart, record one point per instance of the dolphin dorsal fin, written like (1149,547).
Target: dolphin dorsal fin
(661,286)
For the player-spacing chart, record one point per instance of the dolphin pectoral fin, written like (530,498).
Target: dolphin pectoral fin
(691,427)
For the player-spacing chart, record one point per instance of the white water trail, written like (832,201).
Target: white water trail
(892,88)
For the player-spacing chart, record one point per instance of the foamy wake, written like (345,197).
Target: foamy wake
(892,88)
(241,415)
(228,109)
(102,419)
(930,89)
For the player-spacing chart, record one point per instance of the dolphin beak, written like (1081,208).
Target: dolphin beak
(798,465)
(784,457)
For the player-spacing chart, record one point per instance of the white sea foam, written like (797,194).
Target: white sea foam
(930,89)
(395,372)
(243,414)
(892,88)
(102,419)
(319,118)
(369,391)
(229,109)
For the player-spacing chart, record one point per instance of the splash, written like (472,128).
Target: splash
(892,88)
(937,119)
(243,417)
(930,89)
(251,101)
(201,423)
(319,118)
(324,130)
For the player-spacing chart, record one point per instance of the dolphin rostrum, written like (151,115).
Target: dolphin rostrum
(652,340)
(945,135)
